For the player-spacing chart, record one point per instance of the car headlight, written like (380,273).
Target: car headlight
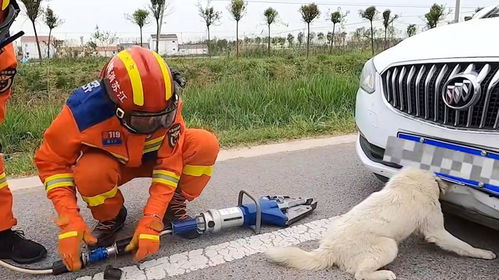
(368,77)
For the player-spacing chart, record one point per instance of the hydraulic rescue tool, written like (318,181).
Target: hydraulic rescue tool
(279,211)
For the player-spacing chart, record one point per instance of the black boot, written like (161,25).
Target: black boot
(177,212)
(106,231)
(14,246)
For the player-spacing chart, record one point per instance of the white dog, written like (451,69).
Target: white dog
(366,238)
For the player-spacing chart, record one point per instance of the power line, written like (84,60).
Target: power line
(346,4)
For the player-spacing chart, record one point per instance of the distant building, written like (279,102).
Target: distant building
(193,49)
(168,44)
(124,46)
(29,49)
(107,51)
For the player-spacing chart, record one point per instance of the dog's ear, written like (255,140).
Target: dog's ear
(442,185)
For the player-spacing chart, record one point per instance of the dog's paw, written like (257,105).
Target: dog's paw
(377,275)
(387,275)
(487,255)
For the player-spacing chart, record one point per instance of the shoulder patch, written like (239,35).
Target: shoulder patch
(174,135)
(6,79)
(90,105)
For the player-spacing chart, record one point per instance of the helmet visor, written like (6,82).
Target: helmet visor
(144,124)
(147,123)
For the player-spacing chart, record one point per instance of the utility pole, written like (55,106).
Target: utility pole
(458,10)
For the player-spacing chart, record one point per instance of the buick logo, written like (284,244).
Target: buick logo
(462,91)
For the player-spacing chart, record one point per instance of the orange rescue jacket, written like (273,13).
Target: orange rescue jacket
(88,120)
(8,66)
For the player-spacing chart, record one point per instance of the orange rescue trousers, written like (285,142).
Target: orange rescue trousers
(7,220)
(98,175)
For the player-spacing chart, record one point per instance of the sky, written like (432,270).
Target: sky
(81,17)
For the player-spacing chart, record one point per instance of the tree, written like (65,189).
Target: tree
(270,15)
(321,37)
(388,19)
(291,40)
(140,17)
(309,13)
(103,38)
(435,15)
(300,38)
(237,9)
(158,8)
(33,10)
(52,21)
(329,37)
(210,17)
(411,30)
(370,14)
(335,17)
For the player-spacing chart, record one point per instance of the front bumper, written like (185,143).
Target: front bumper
(377,121)
(459,199)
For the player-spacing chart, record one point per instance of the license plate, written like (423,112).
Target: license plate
(456,163)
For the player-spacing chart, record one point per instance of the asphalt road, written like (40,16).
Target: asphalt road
(332,174)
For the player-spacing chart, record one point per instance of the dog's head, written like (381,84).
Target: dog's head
(422,180)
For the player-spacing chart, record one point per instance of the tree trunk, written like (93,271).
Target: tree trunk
(48,47)
(308,39)
(237,38)
(386,43)
(269,41)
(37,41)
(209,40)
(141,44)
(332,38)
(157,35)
(372,37)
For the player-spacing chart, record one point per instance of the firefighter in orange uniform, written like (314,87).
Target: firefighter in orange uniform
(127,125)
(13,245)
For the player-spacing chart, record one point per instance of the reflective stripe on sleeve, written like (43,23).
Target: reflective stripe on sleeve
(3,181)
(165,177)
(68,234)
(149,237)
(198,170)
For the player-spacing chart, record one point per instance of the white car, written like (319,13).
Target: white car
(433,101)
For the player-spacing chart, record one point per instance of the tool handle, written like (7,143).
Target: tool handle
(59,268)
(121,245)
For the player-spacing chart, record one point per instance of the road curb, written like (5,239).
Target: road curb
(246,152)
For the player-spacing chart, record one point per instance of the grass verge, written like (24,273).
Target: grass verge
(245,101)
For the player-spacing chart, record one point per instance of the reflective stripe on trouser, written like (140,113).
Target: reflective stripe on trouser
(200,153)
(63,180)
(97,174)
(96,177)
(7,220)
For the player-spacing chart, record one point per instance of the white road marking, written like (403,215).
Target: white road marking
(298,145)
(214,255)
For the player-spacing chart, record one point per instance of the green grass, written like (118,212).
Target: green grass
(244,101)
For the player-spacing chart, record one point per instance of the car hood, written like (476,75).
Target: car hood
(475,38)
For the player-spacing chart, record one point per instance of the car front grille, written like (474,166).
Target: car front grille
(416,90)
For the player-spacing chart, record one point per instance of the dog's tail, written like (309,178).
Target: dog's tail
(297,258)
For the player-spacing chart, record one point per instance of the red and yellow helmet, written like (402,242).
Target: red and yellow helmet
(140,83)
(8,13)
(4,4)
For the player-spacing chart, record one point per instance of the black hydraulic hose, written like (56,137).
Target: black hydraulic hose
(58,267)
